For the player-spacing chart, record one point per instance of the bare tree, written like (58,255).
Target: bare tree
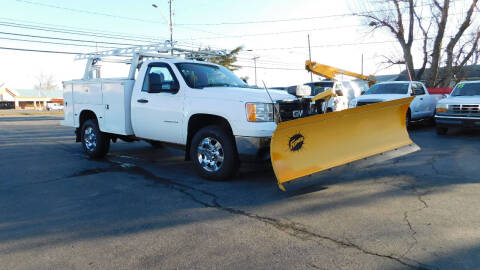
(45,82)
(228,60)
(405,18)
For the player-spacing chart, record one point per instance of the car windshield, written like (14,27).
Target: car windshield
(466,89)
(388,88)
(198,75)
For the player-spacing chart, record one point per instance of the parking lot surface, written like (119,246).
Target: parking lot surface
(144,208)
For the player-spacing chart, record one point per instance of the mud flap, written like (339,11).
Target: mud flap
(316,143)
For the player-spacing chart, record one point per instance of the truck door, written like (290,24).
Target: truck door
(420,102)
(157,108)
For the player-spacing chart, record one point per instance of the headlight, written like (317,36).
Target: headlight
(352,104)
(259,112)
(442,107)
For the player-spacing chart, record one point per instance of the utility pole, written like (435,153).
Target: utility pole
(362,65)
(255,66)
(171,25)
(310,56)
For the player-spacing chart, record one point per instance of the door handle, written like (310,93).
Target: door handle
(142,100)
(421,98)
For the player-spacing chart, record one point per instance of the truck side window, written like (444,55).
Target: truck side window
(418,89)
(159,78)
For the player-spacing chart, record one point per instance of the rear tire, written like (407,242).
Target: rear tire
(442,130)
(214,154)
(95,143)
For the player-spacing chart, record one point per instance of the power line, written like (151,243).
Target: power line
(68,39)
(79,29)
(280,33)
(298,18)
(67,52)
(349,44)
(89,12)
(108,15)
(56,43)
(277,68)
(71,32)
(34,50)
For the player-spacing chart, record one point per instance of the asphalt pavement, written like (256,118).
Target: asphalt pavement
(144,208)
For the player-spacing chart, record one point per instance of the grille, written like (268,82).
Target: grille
(464,108)
(361,103)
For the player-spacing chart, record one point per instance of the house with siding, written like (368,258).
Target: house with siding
(29,99)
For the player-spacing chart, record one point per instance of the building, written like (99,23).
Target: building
(468,73)
(29,99)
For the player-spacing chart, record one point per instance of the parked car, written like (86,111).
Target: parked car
(422,106)
(460,109)
(54,106)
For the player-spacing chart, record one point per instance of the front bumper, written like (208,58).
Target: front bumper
(457,121)
(251,149)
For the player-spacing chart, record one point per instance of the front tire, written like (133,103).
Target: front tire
(408,120)
(95,143)
(214,153)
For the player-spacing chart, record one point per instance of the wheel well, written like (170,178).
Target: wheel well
(87,115)
(198,121)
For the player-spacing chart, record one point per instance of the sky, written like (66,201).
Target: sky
(275,31)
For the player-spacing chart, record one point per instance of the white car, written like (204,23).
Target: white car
(460,109)
(422,106)
(54,106)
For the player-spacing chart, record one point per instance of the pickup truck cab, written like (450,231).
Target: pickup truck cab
(460,109)
(202,107)
(345,92)
(422,106)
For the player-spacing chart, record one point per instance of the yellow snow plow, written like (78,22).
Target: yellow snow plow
(312,144)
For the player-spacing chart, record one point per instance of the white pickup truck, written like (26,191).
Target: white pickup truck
(460,109)
(422,106)
(200,106)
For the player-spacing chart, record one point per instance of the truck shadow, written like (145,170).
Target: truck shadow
(149,189)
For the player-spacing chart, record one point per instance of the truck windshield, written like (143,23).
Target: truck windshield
(388,88)
(319,87)
(466,89)
(204,75)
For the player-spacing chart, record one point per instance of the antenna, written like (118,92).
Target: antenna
(273,103)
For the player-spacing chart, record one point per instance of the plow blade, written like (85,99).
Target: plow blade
(316,143)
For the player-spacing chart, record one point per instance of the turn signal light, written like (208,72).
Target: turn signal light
(251,112)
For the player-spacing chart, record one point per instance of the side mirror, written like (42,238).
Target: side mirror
(418,92)
(363,92)
(339,93)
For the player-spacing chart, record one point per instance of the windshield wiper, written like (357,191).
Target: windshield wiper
(224,85)
(217,84)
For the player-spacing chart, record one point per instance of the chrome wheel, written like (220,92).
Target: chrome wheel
(210,154)
(90,139)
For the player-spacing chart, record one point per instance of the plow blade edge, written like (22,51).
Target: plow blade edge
(312,144)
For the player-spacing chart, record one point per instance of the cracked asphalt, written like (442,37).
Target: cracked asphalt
(144,208)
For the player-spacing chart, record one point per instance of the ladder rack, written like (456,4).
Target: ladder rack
(137,54)
(152,51)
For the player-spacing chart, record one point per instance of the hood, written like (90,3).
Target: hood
(247,94)
(381,97)
(460,100)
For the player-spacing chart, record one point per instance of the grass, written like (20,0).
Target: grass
(30,113)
